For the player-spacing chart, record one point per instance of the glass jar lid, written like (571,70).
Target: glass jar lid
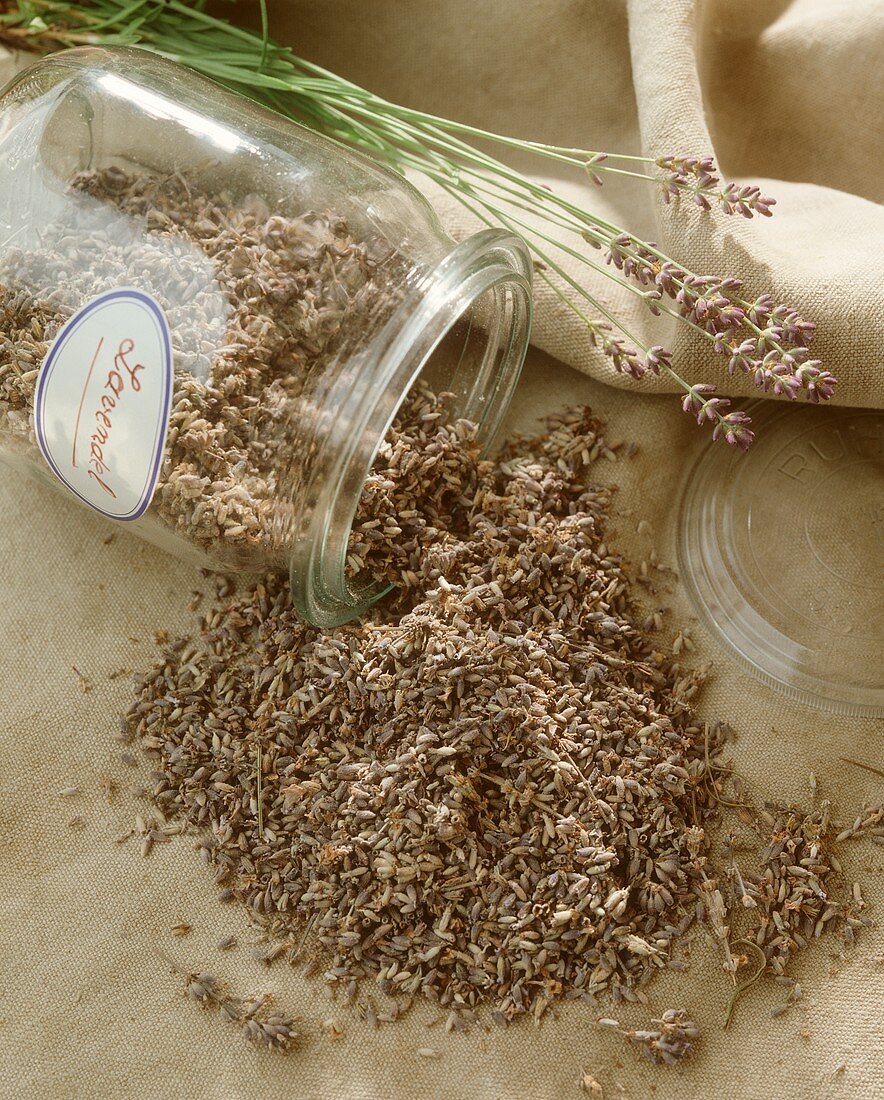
(781,551)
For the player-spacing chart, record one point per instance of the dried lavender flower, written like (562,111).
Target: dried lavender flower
(204,989)
(244,362)
(669,1040)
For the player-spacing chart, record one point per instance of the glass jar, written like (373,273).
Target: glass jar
(209,315)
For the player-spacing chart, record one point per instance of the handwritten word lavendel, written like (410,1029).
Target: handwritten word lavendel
(118,378)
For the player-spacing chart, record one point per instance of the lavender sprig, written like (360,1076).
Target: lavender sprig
(769,342)
(668,1040)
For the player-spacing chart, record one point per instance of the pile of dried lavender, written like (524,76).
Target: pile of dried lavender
(261,307)
(489,791)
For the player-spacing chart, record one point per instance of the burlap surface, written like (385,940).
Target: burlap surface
(88,1007)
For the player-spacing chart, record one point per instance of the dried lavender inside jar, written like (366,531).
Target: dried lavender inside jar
(417,498)
(260,309)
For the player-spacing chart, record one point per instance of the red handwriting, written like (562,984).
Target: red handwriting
(122,377)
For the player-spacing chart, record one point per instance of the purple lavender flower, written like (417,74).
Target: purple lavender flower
(734,429)
(747,200)
(765,340)
(658,357)
(696,176)
(626,360)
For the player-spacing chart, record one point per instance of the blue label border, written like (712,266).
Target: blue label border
(58,345)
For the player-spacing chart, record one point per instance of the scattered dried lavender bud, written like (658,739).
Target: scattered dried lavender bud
(591,1087)
(83,680)
(230,1011)
(260,305)
(275,1032)
(259,1024)
(670,1039)
(108,787)
(334,1029)
(204,988)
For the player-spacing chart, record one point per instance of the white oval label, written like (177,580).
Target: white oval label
(102,402)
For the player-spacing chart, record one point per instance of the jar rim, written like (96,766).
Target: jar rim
(490,260)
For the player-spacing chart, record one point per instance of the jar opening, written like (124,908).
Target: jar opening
(464,332)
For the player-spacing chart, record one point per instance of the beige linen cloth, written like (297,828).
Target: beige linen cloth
(785,93)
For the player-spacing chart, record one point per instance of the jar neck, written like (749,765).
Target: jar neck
(488,273)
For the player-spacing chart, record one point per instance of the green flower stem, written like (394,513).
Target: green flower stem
(344,98)
(529,231)
(577,157)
